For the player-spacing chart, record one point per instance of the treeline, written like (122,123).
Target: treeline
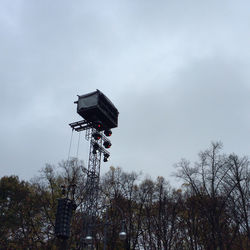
(211,209)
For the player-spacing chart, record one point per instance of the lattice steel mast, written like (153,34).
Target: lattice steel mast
(100,116)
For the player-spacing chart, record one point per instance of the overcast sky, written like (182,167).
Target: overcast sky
(178,72)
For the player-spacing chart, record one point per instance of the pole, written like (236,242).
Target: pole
(105,231)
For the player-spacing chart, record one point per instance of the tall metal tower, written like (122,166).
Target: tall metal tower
(100,116)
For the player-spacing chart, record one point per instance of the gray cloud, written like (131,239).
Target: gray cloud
(208,101)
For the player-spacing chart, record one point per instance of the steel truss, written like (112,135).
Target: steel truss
(93,172)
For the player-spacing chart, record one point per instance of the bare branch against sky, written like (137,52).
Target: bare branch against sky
(178,71)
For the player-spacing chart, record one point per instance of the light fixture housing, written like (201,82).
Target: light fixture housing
(97,136)
(106,156)
(107,144)
(122,235)
(88,239)
(108,132)
(95,147)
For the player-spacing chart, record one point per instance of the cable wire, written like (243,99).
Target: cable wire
(70,145)
(78,145)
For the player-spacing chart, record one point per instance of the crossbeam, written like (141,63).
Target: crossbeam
(80,125)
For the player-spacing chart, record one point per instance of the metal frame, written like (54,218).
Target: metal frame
(93,171)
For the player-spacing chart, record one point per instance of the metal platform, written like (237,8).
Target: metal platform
(80,125)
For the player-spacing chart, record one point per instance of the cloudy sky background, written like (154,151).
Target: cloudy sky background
(178,72)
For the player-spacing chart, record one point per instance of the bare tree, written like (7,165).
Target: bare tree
(208,180)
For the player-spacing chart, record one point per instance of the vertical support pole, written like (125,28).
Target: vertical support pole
(105,231)
(93,176)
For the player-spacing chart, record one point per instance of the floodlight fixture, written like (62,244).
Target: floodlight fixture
(108,132)
(106,156)
(98,126)
(95,147)
(107,144)
(88,239)
(122,235)
(97,136)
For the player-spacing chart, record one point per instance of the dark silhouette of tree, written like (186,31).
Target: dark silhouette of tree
(212,184)
(210,210)
(20,215)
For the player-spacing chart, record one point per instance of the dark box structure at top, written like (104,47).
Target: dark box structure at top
(96,107)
